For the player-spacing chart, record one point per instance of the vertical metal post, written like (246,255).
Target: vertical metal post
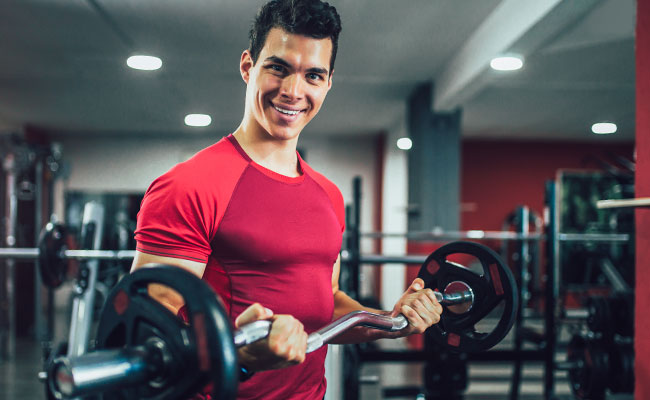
(522,274)
(84,300)
(552,287)
(355,238)
(8,337)
(38,224)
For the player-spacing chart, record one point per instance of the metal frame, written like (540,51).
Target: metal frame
(84,292)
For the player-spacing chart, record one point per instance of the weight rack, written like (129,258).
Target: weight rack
(546,341)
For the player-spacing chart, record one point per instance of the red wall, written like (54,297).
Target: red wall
(497,176)
(642,187)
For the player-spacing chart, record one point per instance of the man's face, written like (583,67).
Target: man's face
(288,84)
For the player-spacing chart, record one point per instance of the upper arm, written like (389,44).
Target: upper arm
(165,295)
(336,272)
(141,259)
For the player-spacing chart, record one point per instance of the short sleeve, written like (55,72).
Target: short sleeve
(176,218)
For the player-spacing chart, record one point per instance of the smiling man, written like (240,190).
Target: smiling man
(257,223)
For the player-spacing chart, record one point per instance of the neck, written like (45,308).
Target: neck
(275,154)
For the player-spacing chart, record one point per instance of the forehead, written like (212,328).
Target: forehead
(297,48)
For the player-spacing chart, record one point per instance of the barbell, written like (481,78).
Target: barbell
(52,254)
(144,351)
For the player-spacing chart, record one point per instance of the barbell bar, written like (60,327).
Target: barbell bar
(33,253)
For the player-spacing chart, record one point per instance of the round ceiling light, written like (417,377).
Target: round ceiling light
(404,143)
(145,63)
(197,120)
(509,63)
(603,128)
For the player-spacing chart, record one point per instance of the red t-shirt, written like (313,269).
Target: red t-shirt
(265,237)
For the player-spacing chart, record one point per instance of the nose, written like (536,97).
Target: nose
(292,87)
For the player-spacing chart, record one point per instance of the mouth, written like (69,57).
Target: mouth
(289,112)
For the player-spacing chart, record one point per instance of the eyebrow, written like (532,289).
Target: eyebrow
(283,62)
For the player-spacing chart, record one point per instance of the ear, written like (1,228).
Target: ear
(245,65)
(329,81)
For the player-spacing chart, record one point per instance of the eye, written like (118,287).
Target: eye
(314,76)
(275,68)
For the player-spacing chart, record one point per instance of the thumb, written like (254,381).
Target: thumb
(253,313)
(417,284)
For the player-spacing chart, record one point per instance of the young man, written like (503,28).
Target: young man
(251,218)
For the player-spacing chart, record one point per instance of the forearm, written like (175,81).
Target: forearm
(344,304)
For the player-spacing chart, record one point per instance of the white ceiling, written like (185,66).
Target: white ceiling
(63,65)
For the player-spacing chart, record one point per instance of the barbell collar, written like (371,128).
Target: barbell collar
(455,298)
(104,370)
(98,372)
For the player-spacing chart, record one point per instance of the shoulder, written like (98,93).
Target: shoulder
(216,164)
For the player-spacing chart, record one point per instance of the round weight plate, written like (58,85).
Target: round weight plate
(621,367)
(494,285)
(589,379)
(600,317)
(202,351)
(623,318)
(52,265)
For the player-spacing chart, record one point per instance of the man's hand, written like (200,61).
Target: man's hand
(419,306)
(285,345)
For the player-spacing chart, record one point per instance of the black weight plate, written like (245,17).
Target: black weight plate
(51,245)
(599,317)
(621,367)
(493,286)
(589,380)
(623,318)
(203,351)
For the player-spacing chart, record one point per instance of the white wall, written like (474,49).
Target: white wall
(394,215)
(121,165)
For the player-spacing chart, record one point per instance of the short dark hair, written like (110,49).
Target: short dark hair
(313,18)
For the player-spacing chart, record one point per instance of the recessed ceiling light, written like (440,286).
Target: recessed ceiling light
(603,128)
(145,63)
(197,120)
(509,63)
(404,143)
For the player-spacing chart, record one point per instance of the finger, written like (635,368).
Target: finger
(416,285)
(253,313)
(413,317)
(437,307)
(425,312)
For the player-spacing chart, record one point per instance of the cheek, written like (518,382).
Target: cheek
(318,97)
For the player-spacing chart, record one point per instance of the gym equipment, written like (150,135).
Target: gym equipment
(51,265)
(596,364)
(146,352)
(495,285)
(588,367)
(612,314)
(52,254)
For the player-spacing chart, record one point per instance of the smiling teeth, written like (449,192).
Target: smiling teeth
(288,112)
